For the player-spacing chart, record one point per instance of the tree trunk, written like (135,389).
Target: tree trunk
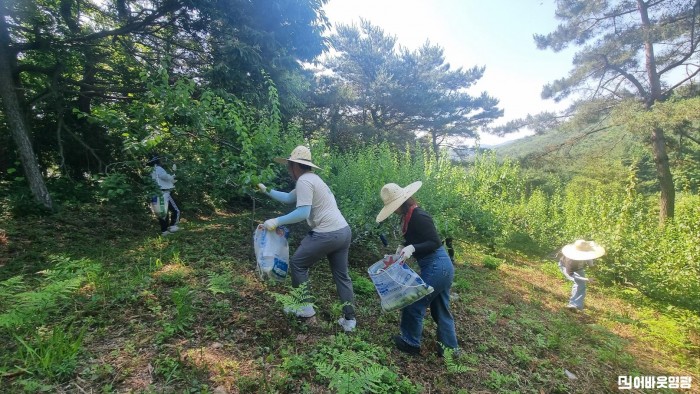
(16,122)
(663,173)
(658,141)
(436,147)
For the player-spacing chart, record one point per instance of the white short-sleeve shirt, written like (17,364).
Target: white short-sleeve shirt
(325,215)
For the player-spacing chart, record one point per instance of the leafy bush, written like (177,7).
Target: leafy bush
(67,191)
(661,261)
(222,145)
(117,190)
(491,262)
(20,202)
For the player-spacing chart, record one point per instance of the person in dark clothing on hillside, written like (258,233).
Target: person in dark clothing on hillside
(164,203)
(423,242)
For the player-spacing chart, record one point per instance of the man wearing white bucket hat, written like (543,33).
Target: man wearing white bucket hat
(423,242)
(330,234)
(575,257)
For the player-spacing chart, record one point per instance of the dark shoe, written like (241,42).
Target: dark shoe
(404,347)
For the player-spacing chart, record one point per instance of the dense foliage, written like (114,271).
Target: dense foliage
(62,60)
(489,202)
(222,146)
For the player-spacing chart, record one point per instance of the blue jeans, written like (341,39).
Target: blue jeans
(437,270)
(578,290)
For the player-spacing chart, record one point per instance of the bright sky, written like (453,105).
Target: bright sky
(492,33)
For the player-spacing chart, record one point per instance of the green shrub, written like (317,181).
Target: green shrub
(362,286)
(117,190)
(491,262)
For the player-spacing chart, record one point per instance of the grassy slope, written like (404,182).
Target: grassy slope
(612,144)
(510,322)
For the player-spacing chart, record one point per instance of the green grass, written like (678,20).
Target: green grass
(187,313)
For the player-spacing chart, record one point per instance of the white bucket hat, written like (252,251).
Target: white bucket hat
(394,195)
(583,250)
(301,155)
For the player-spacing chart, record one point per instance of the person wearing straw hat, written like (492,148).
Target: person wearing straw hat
(330,234)
(575,258)
(422,242)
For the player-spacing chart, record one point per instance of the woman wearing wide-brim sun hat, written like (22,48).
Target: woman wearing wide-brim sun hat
(422,242)
(329,237)
(575,258)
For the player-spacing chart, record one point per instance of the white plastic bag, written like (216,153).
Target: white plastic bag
(159,204)
(397,284)
(271,253)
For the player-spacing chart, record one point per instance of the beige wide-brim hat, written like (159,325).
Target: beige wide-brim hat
(301,155)
(583,250)
(394,195)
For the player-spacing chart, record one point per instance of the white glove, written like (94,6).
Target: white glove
(262,188)
(407,252)
(174,167)
(270,224)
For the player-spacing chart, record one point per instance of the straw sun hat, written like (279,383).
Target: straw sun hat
(582,250)
(393,196)
(301,155)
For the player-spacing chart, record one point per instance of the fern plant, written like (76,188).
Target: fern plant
(22,304)
(296,298)
(219,283)
(350,372)
(352,366)
(184,310)
(453,366)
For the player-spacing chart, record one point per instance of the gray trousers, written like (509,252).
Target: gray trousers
(334,245)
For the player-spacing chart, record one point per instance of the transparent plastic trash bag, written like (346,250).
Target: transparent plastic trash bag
(271,253)
(396,283)
(159,204)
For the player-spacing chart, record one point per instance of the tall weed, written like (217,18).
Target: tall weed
(452,194)
(52,355)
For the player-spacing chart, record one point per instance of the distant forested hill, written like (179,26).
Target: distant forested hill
(612,143)
(603,155)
